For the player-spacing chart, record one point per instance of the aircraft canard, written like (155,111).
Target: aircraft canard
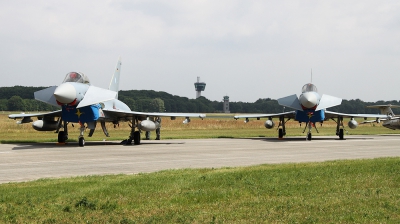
(87,105)
(310,108)
(291,101)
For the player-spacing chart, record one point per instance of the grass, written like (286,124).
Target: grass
(208,128)
(357,191)
(360,191)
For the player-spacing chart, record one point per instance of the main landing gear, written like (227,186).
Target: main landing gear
(339,127)
(136,129)
(135,134)
(62,135)
(281,127)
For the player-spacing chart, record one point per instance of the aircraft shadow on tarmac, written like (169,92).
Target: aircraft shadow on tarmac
(50,145)
(302,139)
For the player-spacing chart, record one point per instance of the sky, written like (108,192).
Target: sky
(241,48)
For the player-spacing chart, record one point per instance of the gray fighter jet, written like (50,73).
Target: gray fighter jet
(310,108)
(88,105)
(390,120)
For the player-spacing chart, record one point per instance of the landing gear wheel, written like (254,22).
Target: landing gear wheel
(309,136)
(341,134)
(61,137)
(136,138)
(280,135)
(81,141)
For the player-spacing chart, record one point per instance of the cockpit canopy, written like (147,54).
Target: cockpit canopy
(76,77)
(309,87)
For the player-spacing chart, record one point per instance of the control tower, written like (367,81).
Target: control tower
(226,104)
(199,86)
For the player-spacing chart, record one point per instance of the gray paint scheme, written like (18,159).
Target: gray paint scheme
(113,110)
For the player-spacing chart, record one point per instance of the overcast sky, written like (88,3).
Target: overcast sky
(244,49)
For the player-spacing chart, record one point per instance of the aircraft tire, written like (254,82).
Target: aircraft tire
(81,141)
(61,137)
(280,135)
(341,134)
(309,136)
(136,138)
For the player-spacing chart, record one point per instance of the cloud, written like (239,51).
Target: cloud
(246,49)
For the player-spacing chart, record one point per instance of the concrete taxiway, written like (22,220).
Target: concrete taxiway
(24,162)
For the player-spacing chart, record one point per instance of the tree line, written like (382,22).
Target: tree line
(20,98)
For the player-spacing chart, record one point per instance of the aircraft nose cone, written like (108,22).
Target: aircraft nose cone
(308,100)
(65,93)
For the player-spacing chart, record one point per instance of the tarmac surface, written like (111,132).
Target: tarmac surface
(25,162)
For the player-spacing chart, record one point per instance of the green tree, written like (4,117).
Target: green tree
(157,105)
(130,103)
(3,104)
(16,103)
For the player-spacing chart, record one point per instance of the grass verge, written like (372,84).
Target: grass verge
(361,191)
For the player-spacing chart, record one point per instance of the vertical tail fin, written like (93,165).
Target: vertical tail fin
(114,84)
(385,109)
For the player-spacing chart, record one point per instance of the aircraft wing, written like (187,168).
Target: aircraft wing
(331,114)
(289,114)
(144,115)
(26,118)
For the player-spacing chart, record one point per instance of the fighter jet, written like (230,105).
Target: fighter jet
(390,121)
(310,108)
(88,105)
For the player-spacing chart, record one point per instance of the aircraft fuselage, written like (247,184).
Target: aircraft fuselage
(81,115)
(309,100)
(392,124)
(310,115)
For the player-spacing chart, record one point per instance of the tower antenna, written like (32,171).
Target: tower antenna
(311,75)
